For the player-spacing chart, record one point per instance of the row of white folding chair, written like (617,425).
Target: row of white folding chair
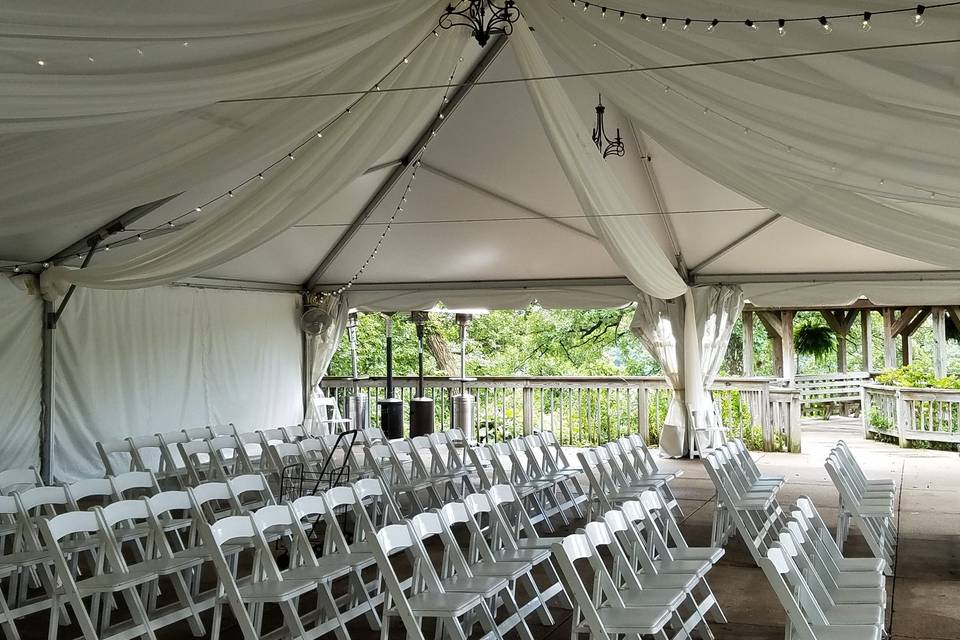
(28,558)
(824,595)
(306,572)
(617,472)
(640,465)
(747,507)
(544,460)
(869,506)
(462,586)
(160,452)
(636,594)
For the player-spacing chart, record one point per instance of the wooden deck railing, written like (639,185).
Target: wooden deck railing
(911,414)
(584,411)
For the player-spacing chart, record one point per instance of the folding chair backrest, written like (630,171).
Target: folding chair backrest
(116,456)
(373,497)
(198,433)
(776,568)
(508,507)
(204,497)
(90,488)
(295,432)
(230,455)
(251,485)
(200,464)
(272,436)
(227,429)
(325,507)
(131,481)
(567,553)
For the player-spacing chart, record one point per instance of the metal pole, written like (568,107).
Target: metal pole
(388,329)
(47,381)
(352,333)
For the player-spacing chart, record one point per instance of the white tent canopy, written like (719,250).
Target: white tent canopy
(807,181)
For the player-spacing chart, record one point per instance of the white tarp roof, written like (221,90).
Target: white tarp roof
(491,204)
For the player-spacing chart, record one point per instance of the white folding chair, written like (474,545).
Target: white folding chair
(805,619)
(19,480)
(111,577)
(604,615)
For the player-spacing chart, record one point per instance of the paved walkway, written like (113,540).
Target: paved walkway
(925,591)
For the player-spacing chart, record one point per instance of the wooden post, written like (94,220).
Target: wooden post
(900,417)
(866,340)
(527,410)
(773,323)
(905,348)
(939,316)
(747,343)
(889,347)
(643,414)
(786,344)
(865,411)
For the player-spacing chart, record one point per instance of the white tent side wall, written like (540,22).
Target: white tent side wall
(20,361)
(140,362)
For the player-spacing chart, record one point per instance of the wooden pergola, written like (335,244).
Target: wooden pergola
(898,322)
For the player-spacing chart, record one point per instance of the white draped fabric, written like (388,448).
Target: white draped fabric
(599,192)
(20,356)
(861,146)
(133,363)
(321,347)
(688,336)
(839,294)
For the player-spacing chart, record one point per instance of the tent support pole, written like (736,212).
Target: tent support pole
(496,45)
(51,317)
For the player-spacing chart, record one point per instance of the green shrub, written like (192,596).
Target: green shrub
(880,421)
(917,376)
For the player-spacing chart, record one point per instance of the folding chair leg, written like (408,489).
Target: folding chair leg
(328,603)
(7,622)
(138,613)
(543,612)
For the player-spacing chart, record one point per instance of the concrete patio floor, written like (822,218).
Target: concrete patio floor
(925,591)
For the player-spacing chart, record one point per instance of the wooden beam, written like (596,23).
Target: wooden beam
(954,314)
(866,340)
(889,347)
(771,321)
(747,343)
(916,322)
(905,348)
(939,315)
(786,343)
(906,317)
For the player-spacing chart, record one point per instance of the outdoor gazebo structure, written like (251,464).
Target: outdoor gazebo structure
(171,198)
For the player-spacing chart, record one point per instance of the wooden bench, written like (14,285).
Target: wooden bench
(831,390)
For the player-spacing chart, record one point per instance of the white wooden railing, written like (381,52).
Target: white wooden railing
(584,411)
(909,414)
(831,388)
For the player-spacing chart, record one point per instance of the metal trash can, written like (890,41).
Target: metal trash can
(462,413)
(358,410)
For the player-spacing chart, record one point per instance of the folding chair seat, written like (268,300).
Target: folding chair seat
(805,620)
(605,615)
(264,586)
(113,576)
(414,600)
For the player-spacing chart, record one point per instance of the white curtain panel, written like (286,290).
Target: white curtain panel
(321,347)
(863,146)
(669,329)
(598,190)
(133,363)
(659,324)
(840,294)
(21,322)
(265,208)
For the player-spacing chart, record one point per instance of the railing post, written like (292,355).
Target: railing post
(794,432)
(768,421)
(900,417)
(527,410)
(643,413)
(865,411)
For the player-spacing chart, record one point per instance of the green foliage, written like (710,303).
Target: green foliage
(880,420)
(815,339)
(917,376)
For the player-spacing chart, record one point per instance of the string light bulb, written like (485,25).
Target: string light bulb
(198,209)
(918,16)
(16,269)
(291,156)
(663,24)
(42,63)
(46,265)
(865,24)
(603,12)
(623,15)
(750,24)
(825,24)
(686,24)
(781,27)
(139,237)
(586,5)
(713,25)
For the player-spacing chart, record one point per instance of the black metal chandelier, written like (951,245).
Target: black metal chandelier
(483,17)
(614,147)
